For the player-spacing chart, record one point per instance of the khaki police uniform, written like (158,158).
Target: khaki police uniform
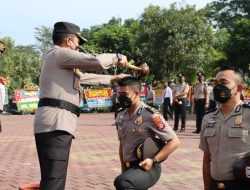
(56,118)
(180,105)
(56,81)
(200,100)
(225,139)
(132,131)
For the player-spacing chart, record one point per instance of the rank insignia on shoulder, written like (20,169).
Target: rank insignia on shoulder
(212,110)
(159,121)
(151,109)
(138,120)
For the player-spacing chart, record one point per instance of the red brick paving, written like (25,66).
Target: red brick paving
(94,158)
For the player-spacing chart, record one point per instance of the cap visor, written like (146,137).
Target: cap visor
(82,40)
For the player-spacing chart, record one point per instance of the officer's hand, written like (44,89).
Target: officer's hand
(118,77)
(122,61)
(144,69)
(146,164)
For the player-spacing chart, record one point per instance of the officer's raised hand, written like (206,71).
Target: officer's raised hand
(122,60)
(146,164)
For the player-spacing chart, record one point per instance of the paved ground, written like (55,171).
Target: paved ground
(94,157)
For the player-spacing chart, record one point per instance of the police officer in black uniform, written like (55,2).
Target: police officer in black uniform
(136,123)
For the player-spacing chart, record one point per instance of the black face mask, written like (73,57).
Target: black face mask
(125,102)
(222,93)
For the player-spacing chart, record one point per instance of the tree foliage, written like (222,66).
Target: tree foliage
(21,64)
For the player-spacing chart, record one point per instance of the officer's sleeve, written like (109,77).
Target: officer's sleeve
(95,79)
(73,59)
(161,128)
(203,143)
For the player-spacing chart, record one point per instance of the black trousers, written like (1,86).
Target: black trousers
(136,178)
(53,152)
(230,185)
(167,109)
(200,112)
(180,111)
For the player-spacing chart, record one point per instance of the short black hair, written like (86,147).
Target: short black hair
(58,38)
(131,82)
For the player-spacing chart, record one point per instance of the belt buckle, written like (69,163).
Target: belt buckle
(127,164)
(220,185)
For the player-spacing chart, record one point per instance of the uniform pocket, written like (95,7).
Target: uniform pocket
(209,132)
(237,132)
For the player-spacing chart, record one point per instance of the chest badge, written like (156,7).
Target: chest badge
(238,120)
(138,120)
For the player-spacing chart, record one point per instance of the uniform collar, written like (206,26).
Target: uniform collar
(137,111)
(236,111)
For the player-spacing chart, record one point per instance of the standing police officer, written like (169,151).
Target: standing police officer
(56,118)
(225,134)
(136,123)
(200,100)
(180,94)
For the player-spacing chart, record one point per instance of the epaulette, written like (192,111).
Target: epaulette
(151,109)
(246,105)
(211,110)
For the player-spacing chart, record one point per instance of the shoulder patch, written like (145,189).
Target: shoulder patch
(159,121)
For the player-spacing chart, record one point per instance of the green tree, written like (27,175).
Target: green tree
(20,64)
(43,35)
(175,40)
(224,13)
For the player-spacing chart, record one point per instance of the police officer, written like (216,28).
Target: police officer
(56,118)
(167,101)
(200,100)
(135,123)
(225,134)
(180,94)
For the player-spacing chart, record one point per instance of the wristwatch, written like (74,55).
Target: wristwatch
(155,161)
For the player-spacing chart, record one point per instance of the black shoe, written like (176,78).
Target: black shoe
(197,132)
(175,128)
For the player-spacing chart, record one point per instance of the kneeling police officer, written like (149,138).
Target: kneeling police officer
(137,123)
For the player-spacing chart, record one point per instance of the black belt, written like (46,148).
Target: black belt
(62,104)
(229,184)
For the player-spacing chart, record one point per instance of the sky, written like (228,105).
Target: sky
(18,18)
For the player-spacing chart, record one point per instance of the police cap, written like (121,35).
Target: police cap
(149,148)
(69,28)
